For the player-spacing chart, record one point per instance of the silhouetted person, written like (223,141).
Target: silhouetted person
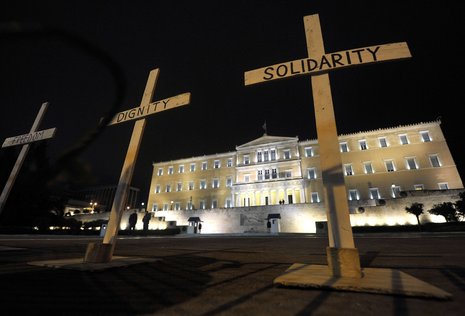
(268,225)
(146,220)
(200,228)
(133,221)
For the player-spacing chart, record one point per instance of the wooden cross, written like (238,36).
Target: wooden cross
(25,140)
(103,252)
(343,258)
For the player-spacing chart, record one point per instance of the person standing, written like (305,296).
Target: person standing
(133,221)
(200,227)
(146,220)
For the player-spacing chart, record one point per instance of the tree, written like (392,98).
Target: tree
(415,209)
(445,209)
(460,205)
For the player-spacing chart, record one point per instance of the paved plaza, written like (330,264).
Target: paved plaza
(221,275)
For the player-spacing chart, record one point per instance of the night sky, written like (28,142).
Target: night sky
(204,47)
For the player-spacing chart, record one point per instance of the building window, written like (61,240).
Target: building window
(344,147)
(368,167)
(192,168)
(203,184)
(266,155)
(395,191)
(229,163)
(434,159)
(154,207)
(202,204)
(168,188)
(246,178)
(228,203)
(204,165)
(216,164)
(267,174)
(165,206)
(403,139)
(273,154)
(353,195)
(287,154)
(215,183)
(288,174)
(348,170)
(229,182)
(418,187)
(259,175)
(308,151)
(214,203)
(191,185)
(181,169)
(390,167)
(382,142)
(259,156)
(411,163)
(374,194)
(170,170)
(363,144)
(314,197)
(311,172)
(189,205)
(246,159)
(157,189)
(179,187)
(160,171)
(443,186)
(274,173)
(425,136)
(177,206)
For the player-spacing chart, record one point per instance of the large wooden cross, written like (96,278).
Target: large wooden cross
(342,256)
(103,252)
(25,140)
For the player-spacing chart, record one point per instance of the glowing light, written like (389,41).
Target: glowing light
(390,221)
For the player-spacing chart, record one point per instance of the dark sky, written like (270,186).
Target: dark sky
(204,47)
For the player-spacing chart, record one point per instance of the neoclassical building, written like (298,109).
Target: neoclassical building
(273,170)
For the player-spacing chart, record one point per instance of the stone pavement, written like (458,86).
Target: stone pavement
(220,275)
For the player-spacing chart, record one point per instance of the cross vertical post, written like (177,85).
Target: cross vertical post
(103,252)
(342,256)
(32,136)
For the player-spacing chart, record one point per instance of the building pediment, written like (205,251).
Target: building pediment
(267,140)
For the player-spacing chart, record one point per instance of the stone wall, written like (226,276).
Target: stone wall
(302,218)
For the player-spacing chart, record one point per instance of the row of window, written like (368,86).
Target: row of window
(191,186)
(193,166)
(374,194)
(383,142)
(410,164)
(267,174)
(176,206)
(264,155)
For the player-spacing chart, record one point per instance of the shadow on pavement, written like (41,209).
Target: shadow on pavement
(137,289)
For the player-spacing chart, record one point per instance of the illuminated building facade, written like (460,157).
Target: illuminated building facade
(273,170)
